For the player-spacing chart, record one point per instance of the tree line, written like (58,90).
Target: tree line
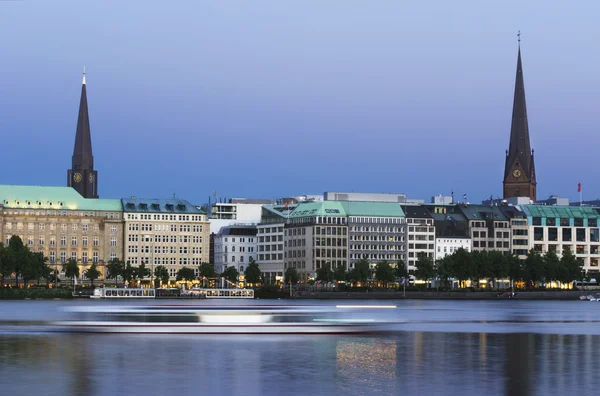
(465,266)
(461,266)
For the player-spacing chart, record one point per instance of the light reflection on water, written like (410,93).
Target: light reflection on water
(446,348)
(407,363)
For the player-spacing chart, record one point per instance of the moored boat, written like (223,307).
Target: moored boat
(184,319)
(127,293)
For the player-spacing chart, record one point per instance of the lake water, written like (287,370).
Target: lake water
(443,347)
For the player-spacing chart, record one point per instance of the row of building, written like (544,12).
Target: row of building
(305,233)
(340,229)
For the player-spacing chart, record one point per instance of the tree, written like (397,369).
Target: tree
(325,274)
(443,268)
(115,268)
(43,269)
(291,275)
(497,265)
(425,270)
(572,268)
(30,269)
(363,270)
(161,274)
(514,267)
(127,273)
(551,266)
(479,266)
(231,274)
(253,274)
(71,269)
(401,271)
(7,263)
(19,254)
(92,273)
(462,265)
(141,272)
(534,267)
(384,272)
(208,271)
(340,274)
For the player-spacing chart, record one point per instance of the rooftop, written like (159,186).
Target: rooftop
(575,212)
(146,205)
(54,198)
(376,209)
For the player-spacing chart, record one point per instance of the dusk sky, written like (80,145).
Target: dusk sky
(265,99)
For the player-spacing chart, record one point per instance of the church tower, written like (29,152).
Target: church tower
(519,170)
(82,176)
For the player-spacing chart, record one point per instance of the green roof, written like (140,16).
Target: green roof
(325,208)
(572,212)
(43,197)
(377,209)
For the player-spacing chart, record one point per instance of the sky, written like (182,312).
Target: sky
(267,99)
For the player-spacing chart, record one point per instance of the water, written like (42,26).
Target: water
(444,347)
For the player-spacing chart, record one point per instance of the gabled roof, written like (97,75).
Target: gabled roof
(572,212)
(147,205)
(376,209)
(482,212)
(49,197)
(416,211)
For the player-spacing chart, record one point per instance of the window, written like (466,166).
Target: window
(41,241)
(30,240)
(96,241)
(73,241)
(84,257)
(113,242)
(63,241)
(42,227)
(84,241)
(74,227)
(52,241)
(96,227)
(95,257)
(63,257)
(52,257)
(74,256)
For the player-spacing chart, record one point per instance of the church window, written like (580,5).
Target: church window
(517,192)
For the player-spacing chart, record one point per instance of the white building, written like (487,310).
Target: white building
(171,232)
(421,234)
(448,245)
(234,246)
(235,211)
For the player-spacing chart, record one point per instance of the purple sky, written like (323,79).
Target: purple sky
(279,98)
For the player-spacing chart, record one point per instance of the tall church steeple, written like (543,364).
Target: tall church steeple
(82,176)
(519,169)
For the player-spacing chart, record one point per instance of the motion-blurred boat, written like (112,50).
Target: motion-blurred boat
(259,319)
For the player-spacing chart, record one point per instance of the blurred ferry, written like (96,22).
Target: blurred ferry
(185,319)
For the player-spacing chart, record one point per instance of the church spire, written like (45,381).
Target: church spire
(519,171)
(82,176)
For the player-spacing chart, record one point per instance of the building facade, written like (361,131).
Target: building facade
(562,228)
(315,234)
(271,241)
(489,227)
(235,245)
(63,225)
(421,234)
(169,232)
(377,232)
(448,245)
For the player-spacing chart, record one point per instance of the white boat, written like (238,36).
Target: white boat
(259,319)
(113,292)
(219,293)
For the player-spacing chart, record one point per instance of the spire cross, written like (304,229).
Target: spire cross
(519,36)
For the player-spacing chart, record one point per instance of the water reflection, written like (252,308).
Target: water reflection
(407,363)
